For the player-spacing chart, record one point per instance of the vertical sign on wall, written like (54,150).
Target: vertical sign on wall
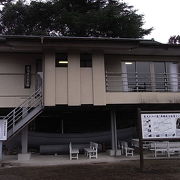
(3,130)
(27,76)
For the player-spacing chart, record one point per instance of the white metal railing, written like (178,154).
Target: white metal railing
(142,82)
(19,113)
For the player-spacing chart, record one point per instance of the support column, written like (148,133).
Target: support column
(1,150)
(173,77)
(114,151)
(24,140)
(112,132)
(24,144)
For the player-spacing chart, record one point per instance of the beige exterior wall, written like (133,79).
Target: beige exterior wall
(113,64)
(61,85)
(142,98)
(86,86)
(74,79)
(49,79)
(99,93)
(12,91)
(86,92)
(76,86)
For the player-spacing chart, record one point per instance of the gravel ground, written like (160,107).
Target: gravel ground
(127,170)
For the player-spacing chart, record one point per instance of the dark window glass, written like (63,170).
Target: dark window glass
(143,76)
(85,60)
(160,75)
(138,74)
(61,60)
(131,75)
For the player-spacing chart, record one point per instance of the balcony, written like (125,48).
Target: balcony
(142,82)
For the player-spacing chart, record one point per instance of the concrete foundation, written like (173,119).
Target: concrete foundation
(24,157)
(112,152)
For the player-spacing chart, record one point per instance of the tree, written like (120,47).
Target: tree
(98,18)
(174,40)
(3,2)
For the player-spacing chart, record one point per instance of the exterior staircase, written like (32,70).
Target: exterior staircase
(21,116)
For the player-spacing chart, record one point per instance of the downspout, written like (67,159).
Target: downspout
(42,90)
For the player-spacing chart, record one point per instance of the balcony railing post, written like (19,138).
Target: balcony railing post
(137,83)
(165,82)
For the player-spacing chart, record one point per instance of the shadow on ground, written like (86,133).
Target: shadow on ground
(127,170)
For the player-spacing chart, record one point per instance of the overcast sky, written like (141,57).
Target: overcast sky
(162,15)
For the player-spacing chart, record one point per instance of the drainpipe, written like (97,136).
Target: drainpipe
(42,75)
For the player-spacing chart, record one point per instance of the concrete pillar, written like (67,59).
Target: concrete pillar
(24,140)
(173,70)
(114,134)
(1,150)
(24,144)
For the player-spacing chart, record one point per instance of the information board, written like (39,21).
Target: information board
(160,125)
(3,130)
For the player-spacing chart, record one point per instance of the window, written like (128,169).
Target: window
(138,76)
(163,76)
(85,60)
(143,76)
(61,60)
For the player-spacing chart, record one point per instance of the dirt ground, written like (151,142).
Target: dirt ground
(124,170)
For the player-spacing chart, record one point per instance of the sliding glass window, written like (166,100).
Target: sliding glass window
(138,76)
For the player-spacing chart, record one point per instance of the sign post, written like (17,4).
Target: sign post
(3,135)
(140,141)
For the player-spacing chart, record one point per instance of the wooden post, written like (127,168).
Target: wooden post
(140,141)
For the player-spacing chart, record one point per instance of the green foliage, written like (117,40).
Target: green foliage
(98,18)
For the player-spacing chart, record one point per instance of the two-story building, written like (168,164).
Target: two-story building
(87,87)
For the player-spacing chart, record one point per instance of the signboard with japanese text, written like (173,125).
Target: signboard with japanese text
(3,130)
(27,76)
(160,125)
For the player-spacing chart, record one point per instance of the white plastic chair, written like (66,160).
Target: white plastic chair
(73,152)
(92,151)
(127,150)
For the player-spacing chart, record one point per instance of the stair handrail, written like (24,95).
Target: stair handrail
(25,102)
(28,103)
(19,114)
